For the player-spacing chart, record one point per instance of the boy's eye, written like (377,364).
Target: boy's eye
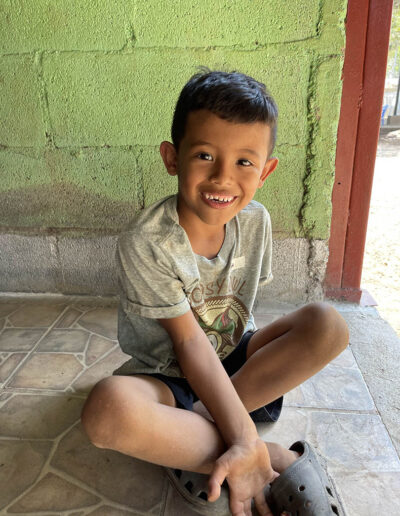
(204,155)
(245,162)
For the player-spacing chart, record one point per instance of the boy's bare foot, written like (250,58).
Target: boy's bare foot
(281,458)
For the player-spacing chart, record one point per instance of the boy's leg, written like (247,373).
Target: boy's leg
(136,415)
(285,353)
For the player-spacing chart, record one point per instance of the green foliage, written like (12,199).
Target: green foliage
(394,45)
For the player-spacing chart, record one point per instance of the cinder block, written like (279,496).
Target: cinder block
(238,22)
(157,183)
(20,106)
(29,264)
(87,188)
(129,99)
(65,265)
(290,271)
(88,265)
(325,110)
(61,25)
(165,73)
(282,192)
(332,26)
(93,99)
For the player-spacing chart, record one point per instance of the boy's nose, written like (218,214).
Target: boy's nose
(221,174)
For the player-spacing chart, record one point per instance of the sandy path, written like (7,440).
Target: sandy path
(381,270)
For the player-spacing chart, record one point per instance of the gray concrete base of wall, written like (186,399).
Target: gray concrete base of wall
(86,266)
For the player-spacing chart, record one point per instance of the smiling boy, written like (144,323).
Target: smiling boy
(189,267)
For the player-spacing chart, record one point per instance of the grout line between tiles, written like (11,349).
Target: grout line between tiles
(376,407)
(30,353)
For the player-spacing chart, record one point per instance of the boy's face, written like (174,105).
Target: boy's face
(219,165)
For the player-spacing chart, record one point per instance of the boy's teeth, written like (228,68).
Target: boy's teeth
(216,198)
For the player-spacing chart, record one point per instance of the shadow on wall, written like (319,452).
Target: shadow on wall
(63,206)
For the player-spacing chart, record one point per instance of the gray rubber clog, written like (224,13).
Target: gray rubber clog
(304,488)
(191,495)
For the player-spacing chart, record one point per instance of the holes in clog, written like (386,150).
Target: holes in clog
(301,488)
(290,498)
(189,486)
(335,509)
(178,472)
(329,491)
(203,495)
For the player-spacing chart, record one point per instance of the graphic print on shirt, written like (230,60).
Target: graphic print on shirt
(222,317)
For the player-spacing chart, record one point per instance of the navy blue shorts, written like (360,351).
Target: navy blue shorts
(185,396)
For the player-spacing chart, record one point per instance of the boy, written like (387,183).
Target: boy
(189,267)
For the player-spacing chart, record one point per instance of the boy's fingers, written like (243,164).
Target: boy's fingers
(247,507)
(275,475)
(214,491)
(261,505)
(214,484)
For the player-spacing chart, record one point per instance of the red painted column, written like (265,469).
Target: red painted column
(357,142)
(379,19)
(353,69)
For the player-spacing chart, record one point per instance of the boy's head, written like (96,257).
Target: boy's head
(223,135)
(232,96)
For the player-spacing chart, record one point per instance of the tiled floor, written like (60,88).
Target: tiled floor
(51,354)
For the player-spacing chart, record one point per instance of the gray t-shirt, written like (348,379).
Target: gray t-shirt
(160,277)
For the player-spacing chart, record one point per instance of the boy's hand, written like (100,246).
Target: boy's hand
(247,469)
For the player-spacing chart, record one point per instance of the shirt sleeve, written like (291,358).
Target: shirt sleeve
(266,272)
(148,284)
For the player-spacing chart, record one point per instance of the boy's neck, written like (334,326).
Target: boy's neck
(204,239)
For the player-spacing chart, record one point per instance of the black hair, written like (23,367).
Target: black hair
(232,96)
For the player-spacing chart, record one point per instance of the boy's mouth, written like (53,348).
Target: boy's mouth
(218,201)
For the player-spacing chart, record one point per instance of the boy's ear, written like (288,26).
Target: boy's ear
(269,167)
(169,157)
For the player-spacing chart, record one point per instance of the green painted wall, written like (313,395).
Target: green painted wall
(88,88)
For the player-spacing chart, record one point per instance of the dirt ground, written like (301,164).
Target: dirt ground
(381,269)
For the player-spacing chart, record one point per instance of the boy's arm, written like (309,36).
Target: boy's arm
(246,464)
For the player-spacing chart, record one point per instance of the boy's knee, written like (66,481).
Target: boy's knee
(98,412)
(326,327)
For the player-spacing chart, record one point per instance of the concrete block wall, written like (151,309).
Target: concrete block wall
(87,94)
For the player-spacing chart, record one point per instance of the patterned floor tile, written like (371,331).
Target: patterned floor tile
(8,308)
(5,396)
(53,493)
(118,477)
(292,426)
(13,339)
(106,510)
(328,410)
(67,340)
(333,388)
(369,494)
(47,371)
(345,359)
(99,370)
(68,319)
(9,364)
(98,346)
(357,442)
(35,315)
(15,475)
(102,321)
(38,416)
